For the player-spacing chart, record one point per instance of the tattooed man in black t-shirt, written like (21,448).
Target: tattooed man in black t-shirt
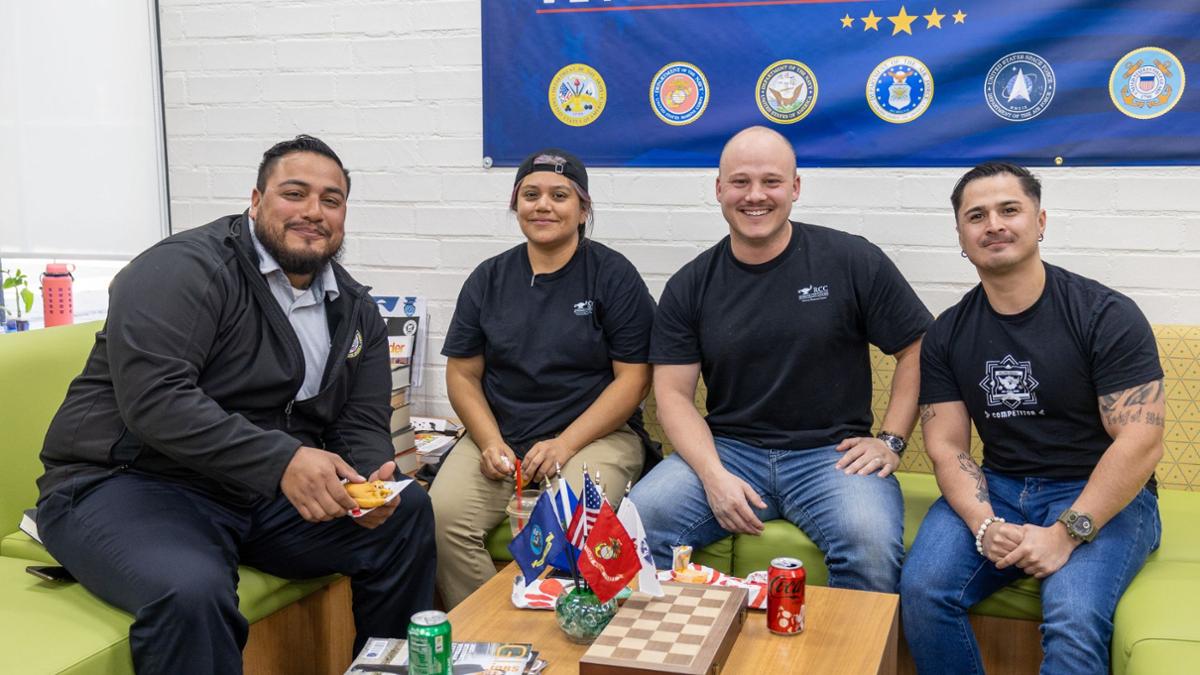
(1060,376)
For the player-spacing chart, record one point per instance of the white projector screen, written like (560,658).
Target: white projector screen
(82,157)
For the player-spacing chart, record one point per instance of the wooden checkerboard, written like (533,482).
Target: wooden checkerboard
(689,630)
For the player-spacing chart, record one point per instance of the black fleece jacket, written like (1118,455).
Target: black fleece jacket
(193,376)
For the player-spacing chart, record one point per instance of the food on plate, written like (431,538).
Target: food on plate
(369,495)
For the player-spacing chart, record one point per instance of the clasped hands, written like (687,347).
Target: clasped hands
(498,461)
(1037,551)
(312,482)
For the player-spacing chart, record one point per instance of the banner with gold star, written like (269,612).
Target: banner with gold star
(851,84)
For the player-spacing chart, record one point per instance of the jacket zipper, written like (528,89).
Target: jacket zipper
(287,415)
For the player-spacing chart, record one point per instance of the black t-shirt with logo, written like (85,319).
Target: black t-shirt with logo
(1031,381)
(782,345)
(548,341)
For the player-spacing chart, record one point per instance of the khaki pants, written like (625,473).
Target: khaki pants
(467,505)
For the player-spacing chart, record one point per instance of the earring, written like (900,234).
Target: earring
(963,253)
(1041,236)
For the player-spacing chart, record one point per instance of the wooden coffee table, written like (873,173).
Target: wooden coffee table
(845,632)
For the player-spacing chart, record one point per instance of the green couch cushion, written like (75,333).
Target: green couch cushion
(259,593)
(36,369)
(1157,624)
(497,542)
(20,545)
(58,627)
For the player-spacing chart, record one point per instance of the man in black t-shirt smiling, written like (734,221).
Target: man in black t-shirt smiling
(1061,377)
(777,317)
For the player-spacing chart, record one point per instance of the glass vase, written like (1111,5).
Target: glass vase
(582,616)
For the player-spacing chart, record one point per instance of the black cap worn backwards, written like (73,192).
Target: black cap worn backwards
(556,160)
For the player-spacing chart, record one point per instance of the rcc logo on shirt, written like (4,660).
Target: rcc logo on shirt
(583,308)
(812,293)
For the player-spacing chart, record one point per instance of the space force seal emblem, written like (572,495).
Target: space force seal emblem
(1019,87)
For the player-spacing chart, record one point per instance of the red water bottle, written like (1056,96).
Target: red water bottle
(58,308)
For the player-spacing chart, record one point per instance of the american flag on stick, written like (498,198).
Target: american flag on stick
(585,514)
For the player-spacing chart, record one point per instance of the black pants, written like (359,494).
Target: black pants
(168,554)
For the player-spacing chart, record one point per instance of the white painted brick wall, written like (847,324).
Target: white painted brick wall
(395,87)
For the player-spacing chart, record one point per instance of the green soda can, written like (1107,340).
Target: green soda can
(429,644)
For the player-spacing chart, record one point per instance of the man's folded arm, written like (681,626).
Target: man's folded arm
(164,314)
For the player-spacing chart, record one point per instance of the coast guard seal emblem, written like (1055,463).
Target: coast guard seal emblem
(1019,87)
(787,91)
(1146,83)
(679,93)
(577,95)
(900,89)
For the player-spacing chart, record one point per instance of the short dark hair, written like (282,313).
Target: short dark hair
(301,143)
(1029,183)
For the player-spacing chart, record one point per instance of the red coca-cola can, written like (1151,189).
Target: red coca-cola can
(785,596)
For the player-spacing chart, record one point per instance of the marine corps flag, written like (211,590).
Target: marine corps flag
(541,539)
(609,560)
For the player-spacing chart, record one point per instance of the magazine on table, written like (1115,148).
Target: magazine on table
(390,655)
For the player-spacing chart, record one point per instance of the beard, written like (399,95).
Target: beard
(303,262)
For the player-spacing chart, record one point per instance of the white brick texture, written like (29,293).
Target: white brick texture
(395,88)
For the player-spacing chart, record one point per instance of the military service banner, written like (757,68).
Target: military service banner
(868,83)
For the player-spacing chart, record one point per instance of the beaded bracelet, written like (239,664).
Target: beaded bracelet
(987,522)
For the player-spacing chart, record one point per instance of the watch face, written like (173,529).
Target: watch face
(892,442)
(1083,525)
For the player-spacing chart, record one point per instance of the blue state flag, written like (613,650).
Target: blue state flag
(539,541)
(564,503)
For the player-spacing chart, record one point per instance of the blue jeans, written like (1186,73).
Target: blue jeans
(857,521)
(944,577)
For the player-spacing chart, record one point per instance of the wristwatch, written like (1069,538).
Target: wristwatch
(1079,525)
(896,443)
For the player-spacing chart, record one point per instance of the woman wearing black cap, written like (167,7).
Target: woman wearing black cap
(546,363)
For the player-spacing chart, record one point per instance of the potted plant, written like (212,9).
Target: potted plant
(20,285)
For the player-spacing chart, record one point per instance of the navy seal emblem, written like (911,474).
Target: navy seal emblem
(787,91)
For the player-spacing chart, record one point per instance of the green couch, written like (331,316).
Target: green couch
(1157,624)
(50,627)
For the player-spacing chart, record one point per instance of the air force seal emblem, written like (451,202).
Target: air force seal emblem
(1019,87)
(1009,382)
(679,93)
(577,95)
(787,91)
(900,89)
(1146,83)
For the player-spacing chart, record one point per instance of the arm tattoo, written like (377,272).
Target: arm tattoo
(968,465)
(927,413)
(1128,406)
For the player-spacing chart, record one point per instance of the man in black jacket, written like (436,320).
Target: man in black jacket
(241,375)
